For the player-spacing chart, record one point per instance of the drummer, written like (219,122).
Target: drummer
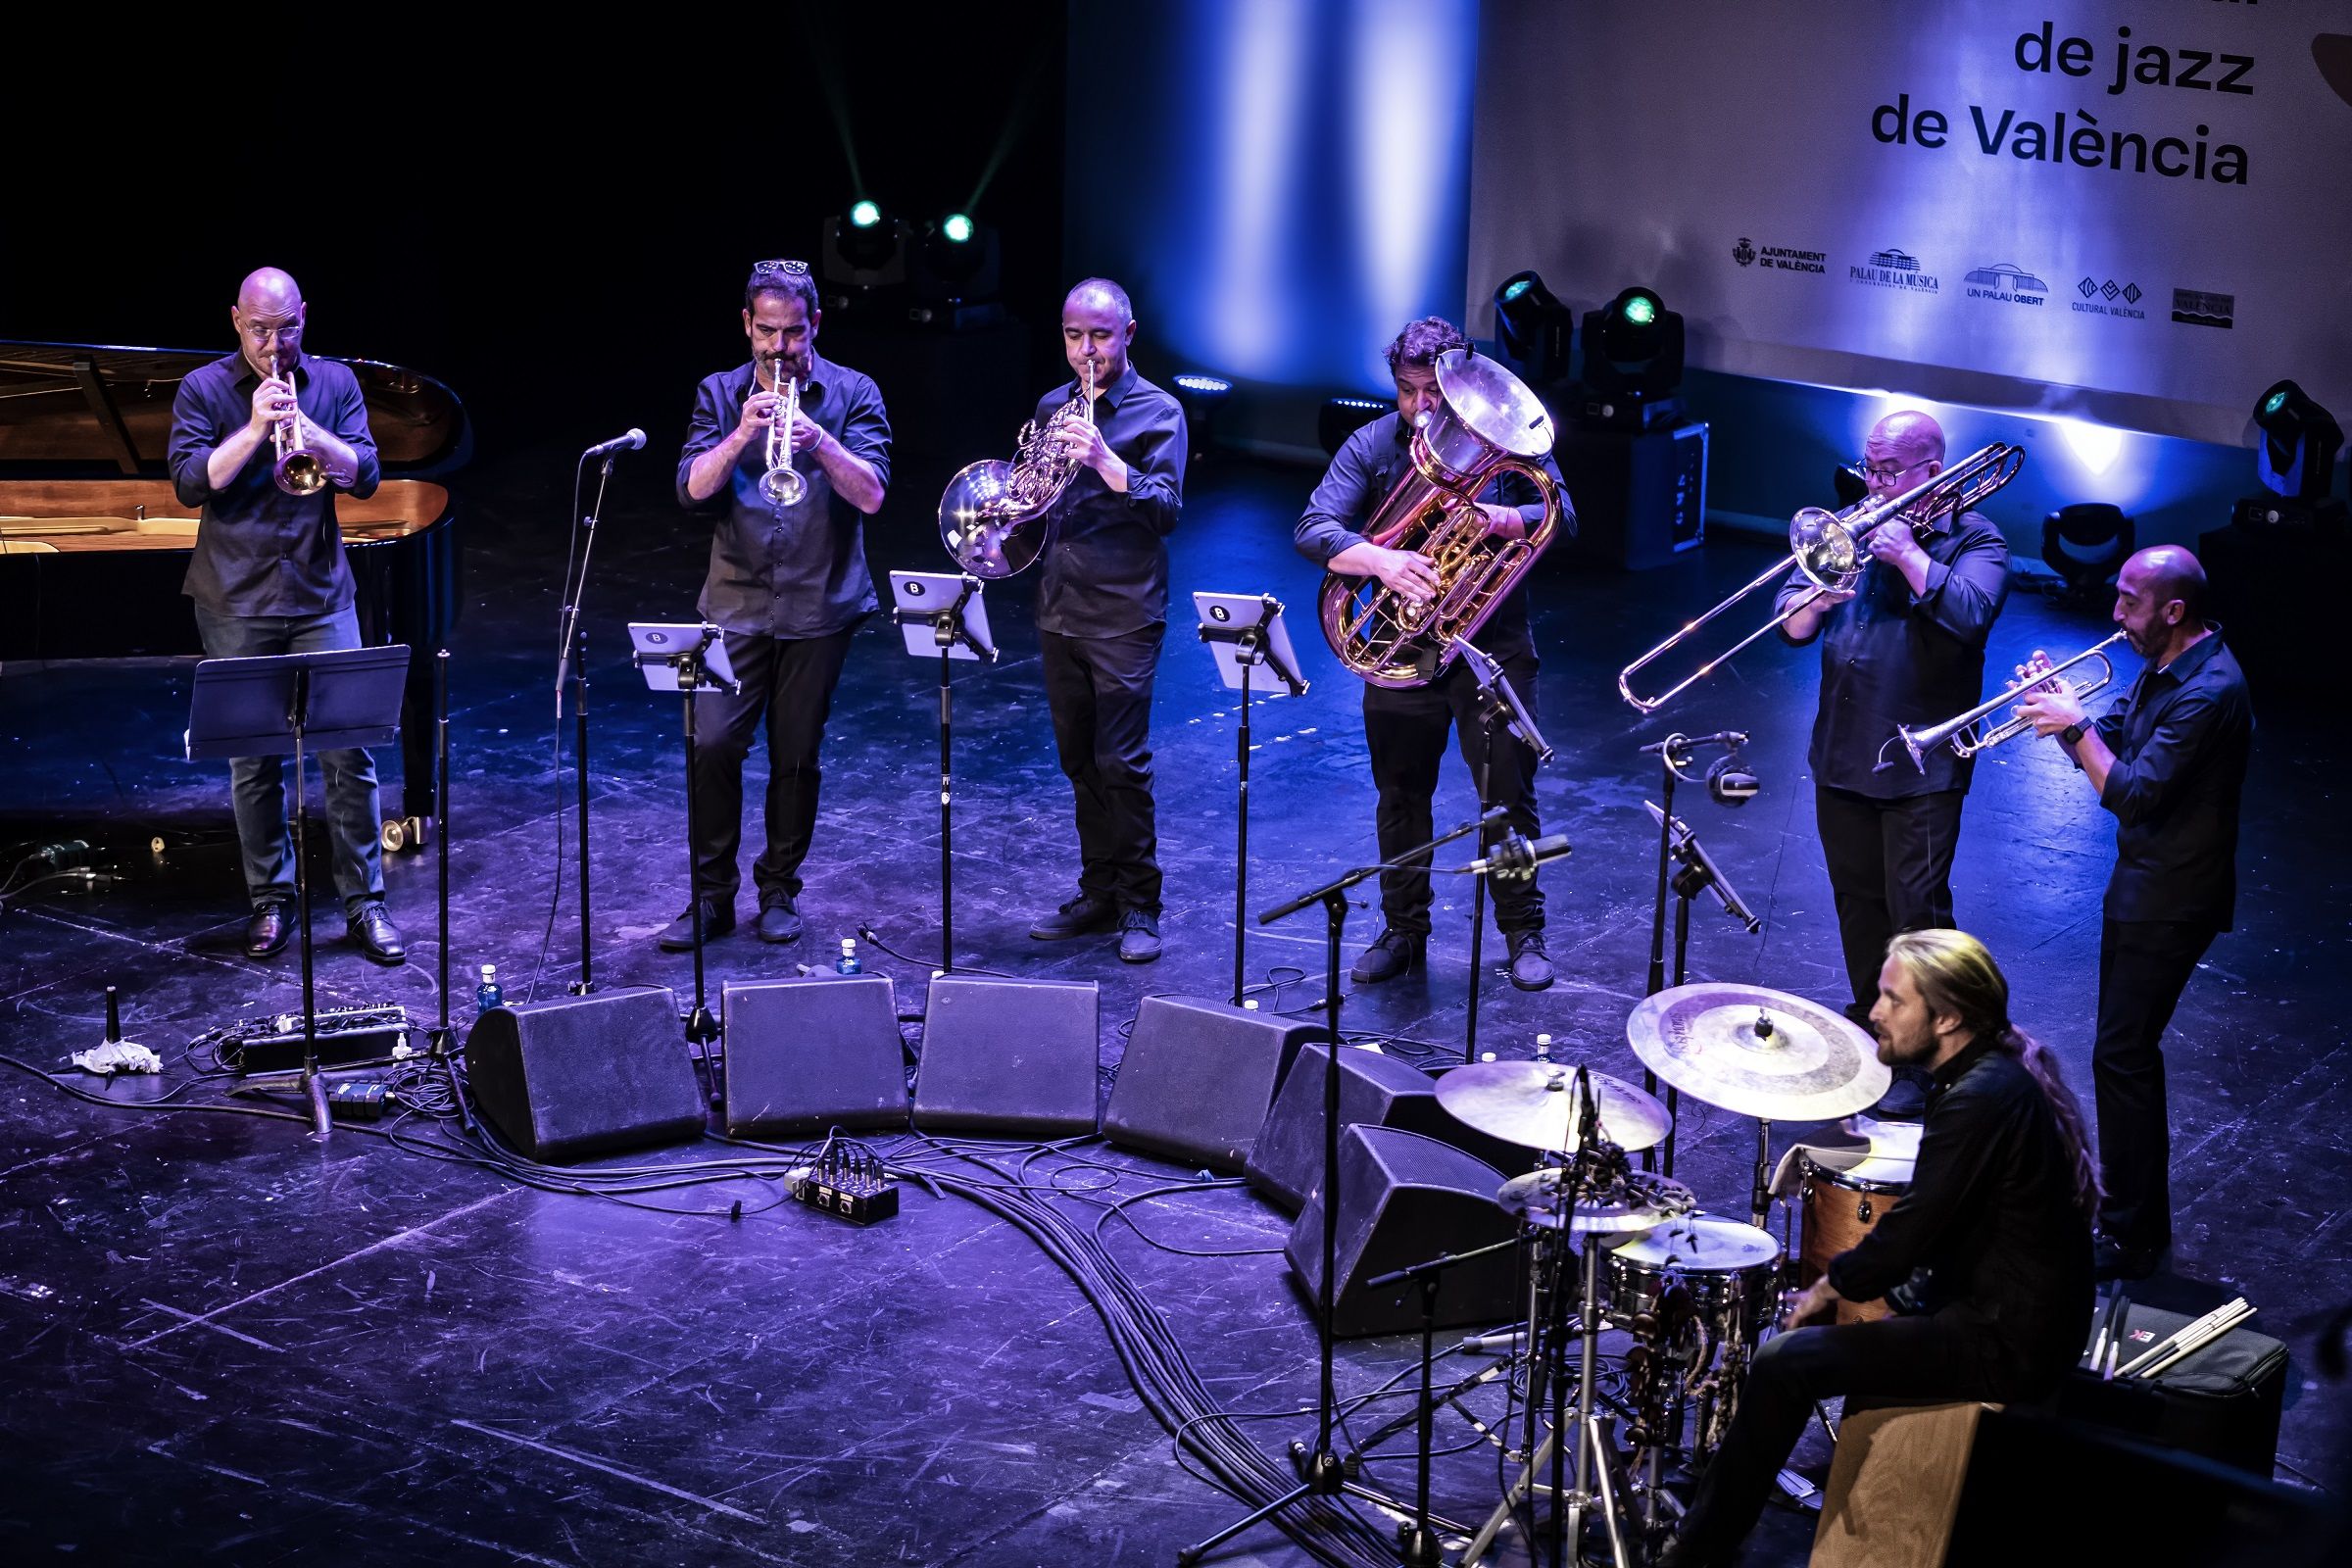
(1985,1261)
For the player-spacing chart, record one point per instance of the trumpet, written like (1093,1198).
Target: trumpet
(297,471)
(782,483)
(1964,732)
(1826,547)
(997,517)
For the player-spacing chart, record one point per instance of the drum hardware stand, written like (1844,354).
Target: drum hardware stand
(699,665)
(572,660)
(1251,645)
(953,635)
(1495,700)
(1320,1471)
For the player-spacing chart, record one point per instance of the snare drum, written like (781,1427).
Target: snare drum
(1728,1269)
(1841,1207)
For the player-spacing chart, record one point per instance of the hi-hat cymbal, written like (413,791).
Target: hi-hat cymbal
(1758,1052)
(1634,1202)
(1535,1105)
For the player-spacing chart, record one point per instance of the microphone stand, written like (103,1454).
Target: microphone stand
(571,659)
(1319,1469)
(1495,700)
(1674,753)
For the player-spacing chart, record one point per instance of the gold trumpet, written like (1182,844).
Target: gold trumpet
(297,471)
(1963,732)
(1826,547)
(782,483)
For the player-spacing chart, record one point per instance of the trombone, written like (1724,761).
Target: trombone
(1963,732)
(782,483)
(297,471)
(1826,547)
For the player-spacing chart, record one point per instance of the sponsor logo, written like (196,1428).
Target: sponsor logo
(2196,308)
(1789,259)
(2107,297)
(2007,285)
(1743,253)
(1892,269)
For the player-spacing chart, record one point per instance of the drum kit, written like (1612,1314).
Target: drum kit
(1697,1292)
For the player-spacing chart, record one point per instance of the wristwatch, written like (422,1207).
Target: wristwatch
(2073,735)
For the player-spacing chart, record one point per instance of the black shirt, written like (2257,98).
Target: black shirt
(260,551)
(1890,656)
(1991,1213)
(1107,573)
(1360,477)
(2181,738)
(798,571)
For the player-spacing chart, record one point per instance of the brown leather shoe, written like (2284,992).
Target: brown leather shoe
(269,929)
(378,938)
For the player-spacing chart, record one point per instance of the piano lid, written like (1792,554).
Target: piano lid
(86,409)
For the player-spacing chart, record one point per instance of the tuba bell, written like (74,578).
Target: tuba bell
(1487,425)
(997,517)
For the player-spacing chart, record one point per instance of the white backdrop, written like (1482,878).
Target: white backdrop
(1808,182)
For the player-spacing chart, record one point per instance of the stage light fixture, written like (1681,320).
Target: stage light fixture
(956,228)
(1342,417)
(865,251)
(1632,362)
(2299,442)
(954,274)
(1200,396)
(2086,544)
(865,214)
(1533,328)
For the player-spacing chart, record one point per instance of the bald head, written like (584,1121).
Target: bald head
(1100,293)
(2160,601)
(1906,450)
(2166,572)
(268,316)
(268,290)
(1096,324)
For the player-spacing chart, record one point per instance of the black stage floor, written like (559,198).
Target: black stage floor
(231,1344)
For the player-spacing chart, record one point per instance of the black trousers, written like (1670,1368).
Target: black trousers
(787,686)
(2143,966)
(1099,692)
(1891,867)
(1948,1356)
(1407,730)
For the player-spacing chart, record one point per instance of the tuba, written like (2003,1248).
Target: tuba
(997,517)
(297,471)
(1489,424)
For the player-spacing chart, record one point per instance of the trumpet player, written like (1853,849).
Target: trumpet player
(788,454)
(2169,762)
(1406,728)
(1904,646)
(1102,611)
(262,442)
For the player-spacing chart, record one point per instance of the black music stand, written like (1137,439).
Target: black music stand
(688,659)
(284,705)
(1495,700)
(943,616)
(1244,631)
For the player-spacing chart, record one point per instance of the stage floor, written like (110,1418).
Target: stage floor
(231,1344)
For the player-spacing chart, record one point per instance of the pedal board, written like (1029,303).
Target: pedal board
(347,1037)
(849,1183)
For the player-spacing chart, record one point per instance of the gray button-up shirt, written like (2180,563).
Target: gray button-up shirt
(793,571)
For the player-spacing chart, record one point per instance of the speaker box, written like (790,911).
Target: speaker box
(1011,1056)
(809,1054)
(580,1076)
(1286,1163)
(1199,1078)
(1404,1199)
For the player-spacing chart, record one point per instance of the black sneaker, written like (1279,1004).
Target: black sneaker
(1531,965)
(1087,915)
(779,920)
(678,935)
(1392,953)
(1139,936)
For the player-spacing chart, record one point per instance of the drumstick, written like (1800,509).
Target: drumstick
(2199,1341)
(2115,1339)
(2098,1339)
(2195,1332)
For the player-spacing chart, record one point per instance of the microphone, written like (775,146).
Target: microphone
(630,442)
(1515,856)
(1732,782)
(1678,745)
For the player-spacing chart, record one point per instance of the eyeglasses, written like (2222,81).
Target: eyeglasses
(790,269)
(1882,473)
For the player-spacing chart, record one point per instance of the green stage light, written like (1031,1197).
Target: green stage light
(866,215)
(957,227)
(1640,310)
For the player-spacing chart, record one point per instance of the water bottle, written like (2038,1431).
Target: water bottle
(1543,1047)
(488,995)
(847,962)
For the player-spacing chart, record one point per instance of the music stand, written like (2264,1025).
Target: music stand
(942,615)
(1244,631)
(284,705)
(687,659)
(1495,700)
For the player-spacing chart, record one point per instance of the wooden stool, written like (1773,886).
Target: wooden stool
(1894,1485)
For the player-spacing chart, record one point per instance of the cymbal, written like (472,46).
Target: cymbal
(1634,1202)
(1535,1105)
(1757,1052)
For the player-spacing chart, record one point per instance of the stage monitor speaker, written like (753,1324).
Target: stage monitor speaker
(581,1076)
(1404,1199)
(1015,1057)
(1199,1078)
(1286,1163)
(812,1054)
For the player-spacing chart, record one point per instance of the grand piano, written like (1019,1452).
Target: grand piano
(93,543)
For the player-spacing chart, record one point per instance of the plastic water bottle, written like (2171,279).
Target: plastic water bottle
(488,995)
(1543,1047)
(847,962)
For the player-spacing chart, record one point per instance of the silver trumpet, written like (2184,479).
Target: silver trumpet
(1965,733)
(297,471)
(782,483)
